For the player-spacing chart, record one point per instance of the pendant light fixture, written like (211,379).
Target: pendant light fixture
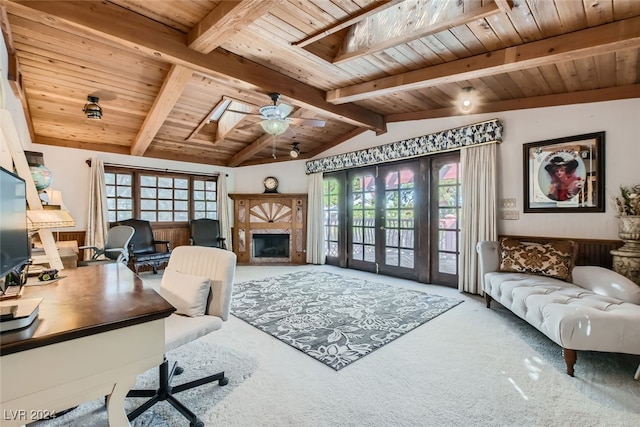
(92,109)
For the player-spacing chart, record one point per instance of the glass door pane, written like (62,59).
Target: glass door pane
(362,220)
(331,218)
(445,250)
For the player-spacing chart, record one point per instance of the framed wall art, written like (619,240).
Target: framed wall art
(565,174)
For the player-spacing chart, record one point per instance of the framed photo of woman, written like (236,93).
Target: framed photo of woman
(565,174)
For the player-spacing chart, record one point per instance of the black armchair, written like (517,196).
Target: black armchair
(142,247)
(206,232)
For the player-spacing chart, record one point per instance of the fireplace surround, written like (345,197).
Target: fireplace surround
(261,218)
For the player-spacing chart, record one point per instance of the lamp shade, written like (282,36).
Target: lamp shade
(274,126)
(466,105)
(49,218)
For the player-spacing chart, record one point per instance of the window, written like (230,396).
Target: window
(204,199)
(119,195)
(159,197)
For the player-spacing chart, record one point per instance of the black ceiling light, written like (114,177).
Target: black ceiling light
(92,109)
(295,151)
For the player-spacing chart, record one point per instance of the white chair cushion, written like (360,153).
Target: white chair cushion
(606,282)
(179,330)
(187,293)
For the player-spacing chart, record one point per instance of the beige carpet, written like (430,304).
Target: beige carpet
(471,367)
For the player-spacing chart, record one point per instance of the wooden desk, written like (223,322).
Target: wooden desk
(97,329)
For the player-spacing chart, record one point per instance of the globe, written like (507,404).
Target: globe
(41,176)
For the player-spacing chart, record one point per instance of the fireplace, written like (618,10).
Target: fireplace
(270,228)
(271,246)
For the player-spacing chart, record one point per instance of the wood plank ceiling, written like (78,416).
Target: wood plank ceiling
(161,68)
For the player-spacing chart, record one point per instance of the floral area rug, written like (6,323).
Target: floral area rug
(333,318)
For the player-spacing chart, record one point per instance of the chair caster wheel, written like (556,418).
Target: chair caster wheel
(178,370)
(223,381)
(196,423)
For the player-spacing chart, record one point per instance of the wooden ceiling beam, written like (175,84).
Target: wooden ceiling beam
(170,92)
(582,97)
(251,150)
(347,53)
(505,5)
(223,22)
(349,21)
(593,41)
(113,24)
(81,145)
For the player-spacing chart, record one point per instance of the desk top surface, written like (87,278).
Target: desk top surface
(89,300)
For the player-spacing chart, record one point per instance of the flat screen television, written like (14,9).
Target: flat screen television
(14,236)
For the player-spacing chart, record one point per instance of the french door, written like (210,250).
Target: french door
(445,206)
(400,219)
(362,223)
(381,221)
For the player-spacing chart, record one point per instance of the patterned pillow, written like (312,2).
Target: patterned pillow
(553,259)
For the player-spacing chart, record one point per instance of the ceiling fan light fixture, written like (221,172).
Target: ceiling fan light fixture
(274,126)
(295,151)
(92,109)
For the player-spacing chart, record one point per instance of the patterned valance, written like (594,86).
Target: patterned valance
(478,133)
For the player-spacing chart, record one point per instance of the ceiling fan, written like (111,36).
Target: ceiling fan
(275,118)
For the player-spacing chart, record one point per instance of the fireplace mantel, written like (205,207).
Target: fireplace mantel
(269,213)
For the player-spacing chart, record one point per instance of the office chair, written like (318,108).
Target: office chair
(206,232)
(115,248)
(187,268)
(143,247)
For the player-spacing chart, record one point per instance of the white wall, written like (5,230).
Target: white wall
(290,175)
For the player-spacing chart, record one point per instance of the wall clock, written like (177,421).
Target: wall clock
(270,184)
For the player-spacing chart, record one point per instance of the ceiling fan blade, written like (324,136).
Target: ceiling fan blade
(290,133)
(242,112)
(285,110)
(306,122)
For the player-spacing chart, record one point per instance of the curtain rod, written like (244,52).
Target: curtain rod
(88,161)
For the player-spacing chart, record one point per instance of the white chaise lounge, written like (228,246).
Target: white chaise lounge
(592,309)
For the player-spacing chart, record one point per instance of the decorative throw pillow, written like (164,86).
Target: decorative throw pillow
(553,259)
(187,293)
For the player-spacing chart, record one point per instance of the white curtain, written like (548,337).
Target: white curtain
(479,207)
(97,221)
(315,220)
(224,217)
